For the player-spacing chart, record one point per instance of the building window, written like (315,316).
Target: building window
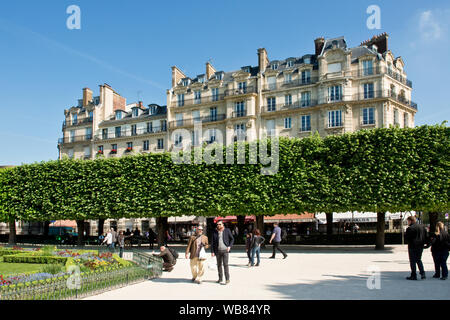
(272,83)
(271,106)
(149,127)
(118,115)
(74,119)
(270,126)
(88,133)
(163,125)
(368,116)
(91,115)
(335,93)
(406,120)
(288,99)
(178,140)
(180,99)
(133,129)
(396,120)
(290,63)
(239,109)
(212,135)
(152,109)
(87,152)
(334,67)
(240,132)
(305,123)
(306,76)
(185,82)
(197,97)
(160,144)
(104,134)
(275,66)
(129,146)
(100,150)
(368,91)
(72,136)
(215,94)
(367,67)
(287,78)
(201,79)
(334,118)
(288,123)
(307,60)
(70,153)
(213,113)
(113,148)
(179,119)
(306,99)
(118,131)
(146,146)
(195,138)
(219,76)
(242,86)
(135,112)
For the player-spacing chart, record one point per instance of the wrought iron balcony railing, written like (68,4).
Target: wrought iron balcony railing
(194,101)
(192,121)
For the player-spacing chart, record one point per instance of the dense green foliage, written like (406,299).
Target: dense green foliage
(370,170)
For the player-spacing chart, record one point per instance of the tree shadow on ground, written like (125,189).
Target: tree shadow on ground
(393,286)
(172,280)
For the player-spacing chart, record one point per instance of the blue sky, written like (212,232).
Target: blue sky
(132,45)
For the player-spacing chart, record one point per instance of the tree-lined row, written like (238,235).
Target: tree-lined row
(371,170)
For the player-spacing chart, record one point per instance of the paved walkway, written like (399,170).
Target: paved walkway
(308,273)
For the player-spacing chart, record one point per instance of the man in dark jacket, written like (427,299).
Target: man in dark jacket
(416,238)
(222,241)
(168,258)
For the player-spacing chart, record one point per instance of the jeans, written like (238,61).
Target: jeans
(222,259)
(440,262)
(249,255)
(255,250)
(121,252)
(276,246)
(415,257)
(111,247)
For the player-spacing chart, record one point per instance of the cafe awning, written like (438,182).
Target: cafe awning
(290,218)
(233,219)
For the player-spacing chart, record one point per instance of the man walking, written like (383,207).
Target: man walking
(416,238)
(222,241)
(197,243)
(114,239)
(276,239)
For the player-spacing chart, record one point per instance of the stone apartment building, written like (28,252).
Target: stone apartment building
(333,90)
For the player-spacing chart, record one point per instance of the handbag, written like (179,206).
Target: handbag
(202,254)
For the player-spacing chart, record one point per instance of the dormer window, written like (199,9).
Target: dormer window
(135,112)
(275,66)
(152,110)
(219,76)
(246,69)
(307,60)
(118,115)
(290,63)
(185,82)
(201,79)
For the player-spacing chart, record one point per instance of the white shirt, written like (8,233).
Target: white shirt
(108,238)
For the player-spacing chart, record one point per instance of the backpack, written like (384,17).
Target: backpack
(173,252)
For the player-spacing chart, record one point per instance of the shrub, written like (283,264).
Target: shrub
(21,258)
(52,268)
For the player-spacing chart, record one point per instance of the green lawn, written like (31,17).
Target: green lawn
(12,268)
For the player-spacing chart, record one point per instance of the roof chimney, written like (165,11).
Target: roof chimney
(263,59)
(87,96)
(209,71)
(318,44)
(177,75)
(380,41)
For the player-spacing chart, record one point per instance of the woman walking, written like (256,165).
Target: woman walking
(248,247)
(121,241)
(440,243)
(257,241)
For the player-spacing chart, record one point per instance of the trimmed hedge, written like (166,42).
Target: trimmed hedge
(20,258)
(375,170)
(6,252)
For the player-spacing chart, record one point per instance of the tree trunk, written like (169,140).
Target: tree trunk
(209,228)
(80,227)
(329,223)
(241,227)
(260,223)
(12,232)
(381,221)
(101,225)
(161,227)
(46,228)
(433,221)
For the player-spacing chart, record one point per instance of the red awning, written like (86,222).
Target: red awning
(232,219)
(64,223)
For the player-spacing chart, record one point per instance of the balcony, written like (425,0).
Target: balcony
(237,91)
(191,122)
(283,107)
(74,139)
(79,122)
(291,84)
(130,133)
(397,76)
(239,114)
(201,100)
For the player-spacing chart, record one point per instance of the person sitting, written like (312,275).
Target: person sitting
(168,258)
